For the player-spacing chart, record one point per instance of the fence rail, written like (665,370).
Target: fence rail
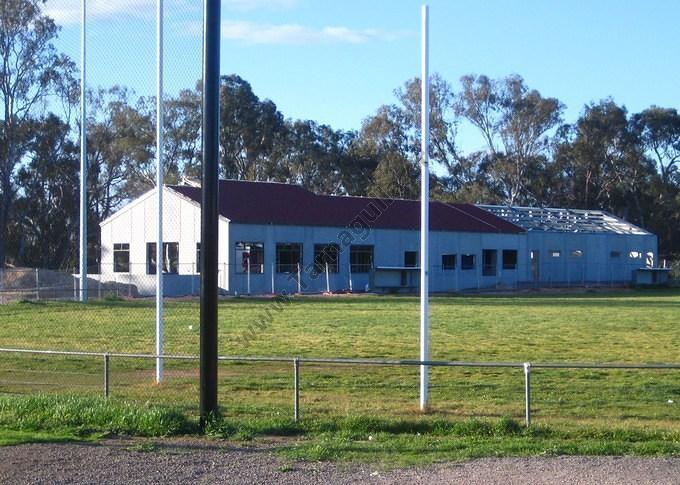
(296,363)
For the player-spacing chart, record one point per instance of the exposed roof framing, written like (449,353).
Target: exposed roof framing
(563,220)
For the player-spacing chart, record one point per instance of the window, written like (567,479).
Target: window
(198,257)
(448,262)
(489,262)
(150,258)
(509,259)
(555,253)
(361,259)
(467,261)
(250,253)
(650,260)
(288,257)
(576,253)
(170,258)
(615,254)
(121,258)
(410,259)
(326,254)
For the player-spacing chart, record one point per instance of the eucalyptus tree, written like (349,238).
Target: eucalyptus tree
(182,138)
(44,231)
(516,123)
(604,163)
(659,132)
(31,72)
(384,138)
(312,155)
(120,149)
(249,130)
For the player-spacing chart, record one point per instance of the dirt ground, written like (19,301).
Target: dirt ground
(181,461)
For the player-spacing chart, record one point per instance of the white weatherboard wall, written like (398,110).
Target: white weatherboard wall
(136,225)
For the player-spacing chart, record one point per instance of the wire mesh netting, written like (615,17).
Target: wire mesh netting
(40,306)
(123,278)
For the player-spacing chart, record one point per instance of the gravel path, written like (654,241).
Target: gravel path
(195,461)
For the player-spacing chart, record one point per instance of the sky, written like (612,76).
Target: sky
(337,61)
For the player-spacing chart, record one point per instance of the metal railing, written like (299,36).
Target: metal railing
(296,363)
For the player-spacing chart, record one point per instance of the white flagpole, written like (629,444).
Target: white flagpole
(159,188)
(424,213)
(83,164)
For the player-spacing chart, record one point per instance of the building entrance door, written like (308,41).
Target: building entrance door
(535,265)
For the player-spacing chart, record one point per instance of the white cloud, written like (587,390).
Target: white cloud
(66,12)
(254,33)
(69,11)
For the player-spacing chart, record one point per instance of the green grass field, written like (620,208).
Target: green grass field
(622,327)
(390,441)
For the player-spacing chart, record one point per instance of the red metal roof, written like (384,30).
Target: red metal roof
(276,203)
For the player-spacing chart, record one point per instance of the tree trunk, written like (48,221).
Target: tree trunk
(4,220)
(7,196)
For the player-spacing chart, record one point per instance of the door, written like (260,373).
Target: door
(535,265)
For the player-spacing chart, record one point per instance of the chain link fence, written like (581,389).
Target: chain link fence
(674,275)
(113,337)
(262,386)
(137,280)
(108,345)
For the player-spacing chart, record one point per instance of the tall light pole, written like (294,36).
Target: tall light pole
(209,208)
(159,188)
(424,212)
(83,162)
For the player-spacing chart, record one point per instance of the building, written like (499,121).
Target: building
(277,237)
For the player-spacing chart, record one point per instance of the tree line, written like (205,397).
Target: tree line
(624,163)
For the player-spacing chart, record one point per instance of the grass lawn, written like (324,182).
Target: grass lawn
(389,441)
(624,327)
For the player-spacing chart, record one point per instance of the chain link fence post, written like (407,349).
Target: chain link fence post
(349,274)
(299,280)
(193,277)
(107,371)
(328,283)
(248,277)
(296,391)
(273,284)
(527,393)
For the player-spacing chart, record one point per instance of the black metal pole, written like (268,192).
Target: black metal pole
(209,205)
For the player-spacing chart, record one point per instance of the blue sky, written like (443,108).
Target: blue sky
(337,61)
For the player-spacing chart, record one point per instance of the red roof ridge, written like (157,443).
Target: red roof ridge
(477,218)
(265,202)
